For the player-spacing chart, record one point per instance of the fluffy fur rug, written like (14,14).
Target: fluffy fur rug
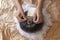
(38,35)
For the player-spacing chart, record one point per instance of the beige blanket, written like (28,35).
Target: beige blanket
(7,12)
(8,29)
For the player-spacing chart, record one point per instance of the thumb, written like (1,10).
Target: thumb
(24,17)
(34,17)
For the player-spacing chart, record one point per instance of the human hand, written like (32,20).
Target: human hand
(38,17)
(21,17)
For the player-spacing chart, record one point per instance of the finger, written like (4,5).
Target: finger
(41,19)
(34,17)
(24,17)
(20,19)
(37,20)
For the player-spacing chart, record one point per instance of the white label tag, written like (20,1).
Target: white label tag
(31,11)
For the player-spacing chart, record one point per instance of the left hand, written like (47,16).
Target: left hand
(38,17)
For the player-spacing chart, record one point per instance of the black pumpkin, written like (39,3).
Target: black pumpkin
(29,25)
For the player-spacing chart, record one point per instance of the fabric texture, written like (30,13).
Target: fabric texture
(8,9)
(41,34)
(8,30)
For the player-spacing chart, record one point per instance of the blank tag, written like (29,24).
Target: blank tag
(31,11)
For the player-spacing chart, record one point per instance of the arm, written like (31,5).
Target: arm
(38,12)
(20,12)
(40,5)
(19,6)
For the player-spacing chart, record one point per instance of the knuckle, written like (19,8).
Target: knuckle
(17,15)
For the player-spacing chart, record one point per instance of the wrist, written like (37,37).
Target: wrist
(39,9)
(40,4)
